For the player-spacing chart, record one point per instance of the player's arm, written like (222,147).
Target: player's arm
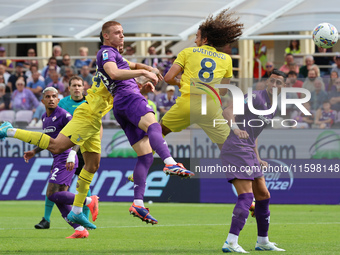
(71,158)
(262,162)
(229,116)
(224,91)
(30,154)
(121,74)
(136,66)
(170,76)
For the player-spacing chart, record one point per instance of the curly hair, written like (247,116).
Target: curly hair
(222,29)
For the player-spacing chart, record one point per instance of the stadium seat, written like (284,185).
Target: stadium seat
(23,118)
(7,115)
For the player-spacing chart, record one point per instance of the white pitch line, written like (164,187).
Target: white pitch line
(187,225)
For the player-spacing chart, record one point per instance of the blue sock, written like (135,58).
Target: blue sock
(48,209)
(86,210)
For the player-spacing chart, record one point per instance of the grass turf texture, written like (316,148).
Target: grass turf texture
(182,229)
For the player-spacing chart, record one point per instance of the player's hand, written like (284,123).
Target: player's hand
(158,73)
(28,155)
(69,166)
(147,87)
(263,163)
(241,133)
(152,78)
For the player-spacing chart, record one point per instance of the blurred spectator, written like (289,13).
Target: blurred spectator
(319,95)
(66,79)
(6,62)
(290,95)
(29,62)
(330,85)
(85,74)
(260,54)
(322,61)
(86,87)
(303,121)
(336,66)
(56,83)
(36,118)
(153,61)
(309,61)
(316,69)
(268,70)
(289,65)
(22,98)
(19,72)
(309,81)
(5,98)
(33,69)
(325,117)
(4,73)
(166,63)
(167,100)
(56,52)
(334,96)
(84,61)
(293,79)
(52,64)
(293,48)
(36,85)
(67,63)
(130,54)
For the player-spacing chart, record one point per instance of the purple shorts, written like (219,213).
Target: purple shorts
(128,111)
(59,174)
(242,163)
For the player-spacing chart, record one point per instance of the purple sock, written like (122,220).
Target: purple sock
(262,215)
(158,144)
(140,173)
(64,210)
(240,213)
(62,197)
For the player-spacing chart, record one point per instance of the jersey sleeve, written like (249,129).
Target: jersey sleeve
(180,60)
(108,56)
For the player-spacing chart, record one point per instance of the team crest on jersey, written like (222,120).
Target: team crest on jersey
(105,55)
(54,118)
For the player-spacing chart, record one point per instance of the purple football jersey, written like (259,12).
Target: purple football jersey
(118,88)
(261,101)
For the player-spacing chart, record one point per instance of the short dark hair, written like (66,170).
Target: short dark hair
(279,73)
(292,73)
(76,77)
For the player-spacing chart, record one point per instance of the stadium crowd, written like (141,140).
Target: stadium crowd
(21,83)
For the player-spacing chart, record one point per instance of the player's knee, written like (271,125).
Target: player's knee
(265,194)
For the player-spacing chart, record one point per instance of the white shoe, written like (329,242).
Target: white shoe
(32,123)
(235,248)
(267,247)
(39,124)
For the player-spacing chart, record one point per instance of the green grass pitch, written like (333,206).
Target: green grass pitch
(182,229)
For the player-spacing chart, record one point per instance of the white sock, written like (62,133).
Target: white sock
(232,239)
(88,200)
(77,210)
(139,202)
(80,228)
(262,239)
(170,161)
(11,132)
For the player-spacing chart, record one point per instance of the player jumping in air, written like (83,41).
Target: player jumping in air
(240,151)
(134,116)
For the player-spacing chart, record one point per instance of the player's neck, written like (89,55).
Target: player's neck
(49,111)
